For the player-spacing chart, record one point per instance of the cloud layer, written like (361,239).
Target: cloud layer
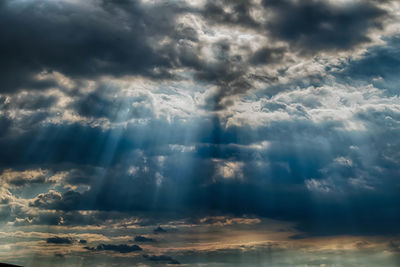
(179,132)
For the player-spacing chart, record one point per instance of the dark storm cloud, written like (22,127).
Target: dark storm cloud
(379,66)
(140,238)
(21,180)
(56,200)
(309,25)
(132,169)
(228,69)
(229,73)
(215,141)
(318,25)
(118,38)
(59,240)
(161,259)
(268,55)
(239,13)
(275,191)
(103,103)
(78,41)
(117,248)
(306,26)
(80,176)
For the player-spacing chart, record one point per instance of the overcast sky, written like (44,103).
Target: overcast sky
(200,133)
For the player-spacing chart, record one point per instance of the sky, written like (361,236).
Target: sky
(200,132)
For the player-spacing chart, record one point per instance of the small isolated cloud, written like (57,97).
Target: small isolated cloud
(59,240)
(117,248)
(143,239)
(344,161)
(321,186)
(161,259)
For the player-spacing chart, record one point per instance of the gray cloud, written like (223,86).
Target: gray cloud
(378,66)
(117,248)
(140,238)
(141,114)
(103,103)
(58,240)
(90,44)
(161,258)
(56,200)
(239,13)
(316,25)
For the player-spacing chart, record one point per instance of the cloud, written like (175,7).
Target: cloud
(59,240)
(177,41)
(269,172)
(238,14)
(28,177)
(140,238)
(56,200)
(161,258)
(229,170)
(319,25)
(124,116)
(103,103)
(268,55)
(320,186)
(379,66)
(5,196)
(92,43)
(117,248)
(223,220)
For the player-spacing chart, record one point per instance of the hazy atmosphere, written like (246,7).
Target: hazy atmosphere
(200,133)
